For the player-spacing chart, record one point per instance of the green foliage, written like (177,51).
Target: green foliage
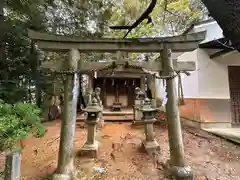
(177,16)
(17,121)
(19,77)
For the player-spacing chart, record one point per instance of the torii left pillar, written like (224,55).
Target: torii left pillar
(66,169)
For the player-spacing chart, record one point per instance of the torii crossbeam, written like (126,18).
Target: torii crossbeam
(182,43)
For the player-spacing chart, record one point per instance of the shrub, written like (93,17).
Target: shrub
(16,122)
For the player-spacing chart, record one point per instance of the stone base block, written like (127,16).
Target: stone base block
(100,124)
(89,150)
(150,146)
(138,123)
(61,177)
(181,173)
(205,125)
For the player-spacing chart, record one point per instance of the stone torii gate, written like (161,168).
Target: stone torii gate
(74,45)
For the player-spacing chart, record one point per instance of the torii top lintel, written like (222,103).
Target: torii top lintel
(181,43)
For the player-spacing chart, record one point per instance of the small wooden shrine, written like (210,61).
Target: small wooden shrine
(118,79)
(118,84)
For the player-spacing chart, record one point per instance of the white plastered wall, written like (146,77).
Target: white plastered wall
(210,80)
(212,76)
(190,83)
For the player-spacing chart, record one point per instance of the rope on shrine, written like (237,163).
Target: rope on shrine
(68,72)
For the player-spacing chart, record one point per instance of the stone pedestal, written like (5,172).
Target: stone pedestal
(138,114)
(150,144)
(100,121)
(13,166)
(61,177)
(90,148)
(181,173)
(154,103)
(137,120)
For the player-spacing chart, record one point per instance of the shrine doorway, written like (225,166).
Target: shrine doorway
(120,90)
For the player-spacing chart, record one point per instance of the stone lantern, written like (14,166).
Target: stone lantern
(90,148)
(148,119)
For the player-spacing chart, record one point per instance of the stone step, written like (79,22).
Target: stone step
(117,113)
(111,117)
(232,134)
(118,117)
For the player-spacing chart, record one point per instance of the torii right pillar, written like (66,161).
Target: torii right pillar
(177,165)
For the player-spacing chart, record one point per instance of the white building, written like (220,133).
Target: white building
(212,92)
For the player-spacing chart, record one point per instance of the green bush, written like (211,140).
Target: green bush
(16,123)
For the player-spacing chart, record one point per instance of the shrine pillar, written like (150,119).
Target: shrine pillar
(65,169)
(177,165)
(90,83)
(153,85)
(142,83)
(90,88)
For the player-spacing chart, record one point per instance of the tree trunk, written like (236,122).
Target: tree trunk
(2,34)
(35,65)
(37,81)
(66,149)
(226,13)
(3,64)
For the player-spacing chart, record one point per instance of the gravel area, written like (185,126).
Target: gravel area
(211,158)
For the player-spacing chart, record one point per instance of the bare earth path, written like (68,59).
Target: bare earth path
(210,156)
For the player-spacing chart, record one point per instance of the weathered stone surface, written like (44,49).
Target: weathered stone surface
(138,114)
(68,123)
(173,117)
(100,123)
(182,43)
(181,173)
(90,150)
(61,177)
(154,103)
(13,166)
(151,146)
(137,120)
(94,111)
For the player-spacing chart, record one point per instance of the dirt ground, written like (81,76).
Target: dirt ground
(210,157)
